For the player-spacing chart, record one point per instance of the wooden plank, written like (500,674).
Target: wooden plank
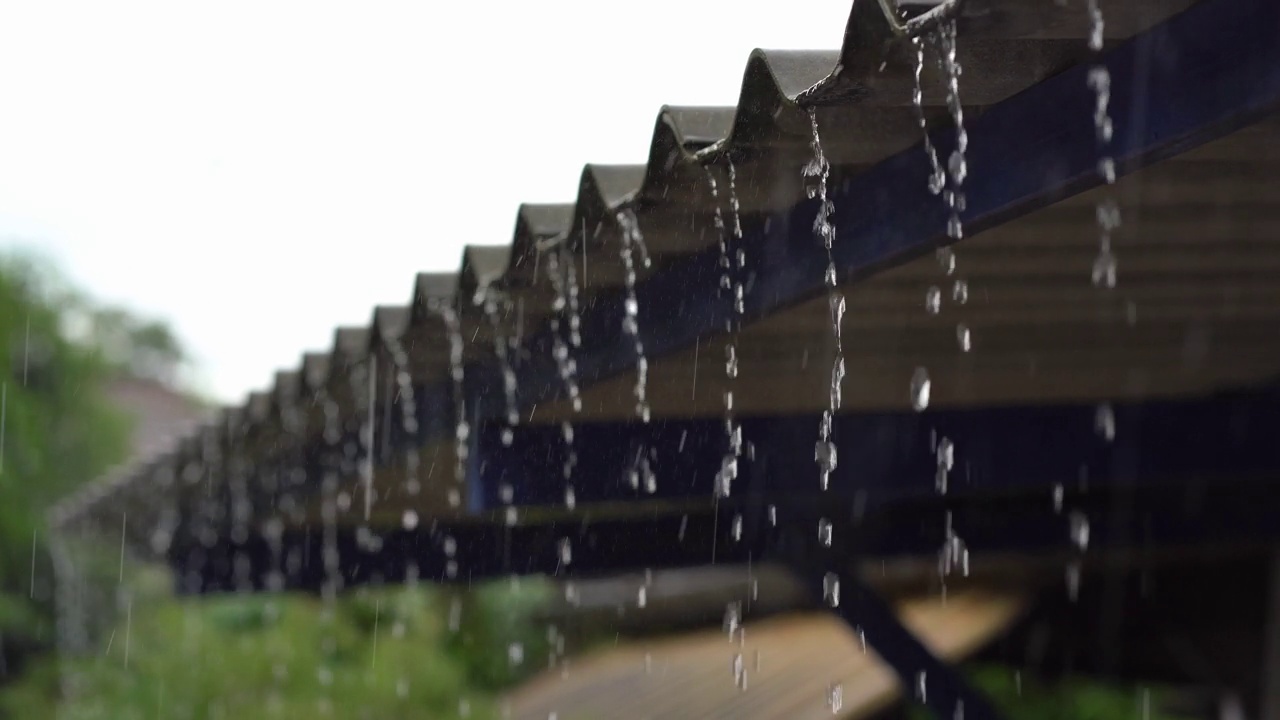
(789,663)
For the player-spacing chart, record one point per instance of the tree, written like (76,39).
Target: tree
(57,431)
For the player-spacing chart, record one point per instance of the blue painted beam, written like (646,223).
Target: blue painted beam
(894,457)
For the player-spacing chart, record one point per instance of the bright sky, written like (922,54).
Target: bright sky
(257,173)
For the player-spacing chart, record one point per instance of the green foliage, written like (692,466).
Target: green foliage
(1072,698)
(374,653)
(58,432)
(498,640)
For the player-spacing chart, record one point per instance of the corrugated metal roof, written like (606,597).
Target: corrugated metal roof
(1041,332)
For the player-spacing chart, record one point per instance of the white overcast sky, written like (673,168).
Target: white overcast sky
(257,173)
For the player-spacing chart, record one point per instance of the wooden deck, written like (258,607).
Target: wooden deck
(791,663)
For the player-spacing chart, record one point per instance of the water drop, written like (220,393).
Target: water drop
(920,389)
(515,654)
(642,597)
(963,338)
(1080,530)
(732,618)
(1104,421)
(937,180)
(1107,214)
(409,521)
(933,300)
(1104,269)
(946,260)
(835,698)
(736,528)
(831,589)
(1107,170)
(824,532)
(824,453)
(958,167)
(960,292)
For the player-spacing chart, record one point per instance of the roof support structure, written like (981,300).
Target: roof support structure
(1196,77)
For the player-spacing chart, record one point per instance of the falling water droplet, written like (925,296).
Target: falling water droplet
(1105,422)
(960,292)
(1104,269)
(933,300)
(1096,26)
(1107,169)
(642,597)
(957,166)
(963,338)
(633,240)
(1080,531)
(831,589)
(937,178)
(737,528)
(824,532)
(946,260)
(515,654)
(920,387)
(732,618)
(946,459)
(409,521)
(835,698)
(824,453)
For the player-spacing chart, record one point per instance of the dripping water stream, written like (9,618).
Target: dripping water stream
(729,239)
(948,182)
(560,269)
(819,169)
(632,240)
(494,303)
(462,427)
(732,270)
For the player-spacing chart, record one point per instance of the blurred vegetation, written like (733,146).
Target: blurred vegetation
(372,653)
(1024,697)
(57,431)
